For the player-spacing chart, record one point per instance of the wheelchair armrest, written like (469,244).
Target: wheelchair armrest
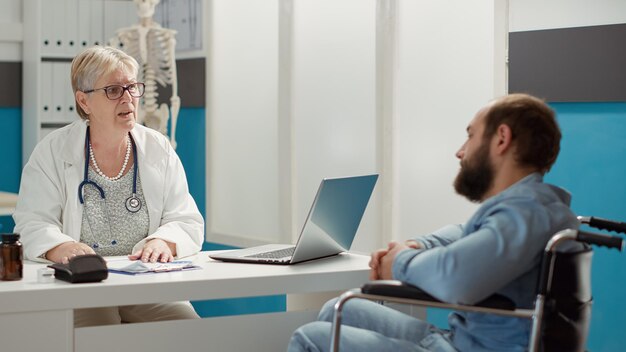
(398,289)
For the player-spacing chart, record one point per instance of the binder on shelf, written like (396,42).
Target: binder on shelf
(69,108)
(84,24)
(48,35)
(97,22)
(53,27)
(58,92)
(71,30)
(46,88)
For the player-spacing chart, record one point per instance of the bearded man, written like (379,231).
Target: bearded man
(511,143)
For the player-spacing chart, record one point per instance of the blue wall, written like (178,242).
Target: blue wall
(191,148)
(11,157)
(592,166)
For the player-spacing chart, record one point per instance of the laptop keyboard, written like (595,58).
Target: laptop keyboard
(280,253)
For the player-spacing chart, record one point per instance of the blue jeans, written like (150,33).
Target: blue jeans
(369,326)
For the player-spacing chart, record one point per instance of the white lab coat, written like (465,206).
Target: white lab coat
(49,213)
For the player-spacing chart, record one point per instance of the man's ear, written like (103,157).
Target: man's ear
(504,139)
(81,98)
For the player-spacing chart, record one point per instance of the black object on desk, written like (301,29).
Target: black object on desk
(82,268)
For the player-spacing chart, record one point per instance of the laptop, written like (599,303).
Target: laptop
(329,229)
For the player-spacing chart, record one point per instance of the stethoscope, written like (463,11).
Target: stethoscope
(133,204)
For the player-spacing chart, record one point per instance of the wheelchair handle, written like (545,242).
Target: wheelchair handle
(600,240)
(604,224)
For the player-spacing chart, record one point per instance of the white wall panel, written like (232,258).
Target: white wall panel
(334,99)
(243,113)
(527,15)
(445,73)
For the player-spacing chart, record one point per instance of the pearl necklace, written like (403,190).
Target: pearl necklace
(119,174)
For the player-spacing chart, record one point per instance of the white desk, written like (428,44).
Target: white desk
(39,317)
(7,203)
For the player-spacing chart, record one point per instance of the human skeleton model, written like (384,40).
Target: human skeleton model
(154,48)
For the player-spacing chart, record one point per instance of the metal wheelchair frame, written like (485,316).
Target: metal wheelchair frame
(398,292)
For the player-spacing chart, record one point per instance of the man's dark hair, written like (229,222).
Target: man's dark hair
(535,132)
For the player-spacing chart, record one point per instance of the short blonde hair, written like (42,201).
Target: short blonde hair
(95,62)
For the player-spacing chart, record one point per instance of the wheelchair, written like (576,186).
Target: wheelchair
(562,308)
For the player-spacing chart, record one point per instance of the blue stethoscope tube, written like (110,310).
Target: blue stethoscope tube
(133,204)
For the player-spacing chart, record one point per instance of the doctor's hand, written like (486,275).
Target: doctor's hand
(155,250)
(68,250)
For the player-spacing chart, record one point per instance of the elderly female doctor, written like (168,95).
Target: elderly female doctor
(106,185)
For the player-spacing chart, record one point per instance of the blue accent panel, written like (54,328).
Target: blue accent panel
(592,167)
(236,306)
(211,246)
(191,148)
(6,224)
(10,157)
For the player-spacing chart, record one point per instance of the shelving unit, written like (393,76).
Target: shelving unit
(55,31)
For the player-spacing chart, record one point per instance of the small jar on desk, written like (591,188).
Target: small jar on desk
(11,257)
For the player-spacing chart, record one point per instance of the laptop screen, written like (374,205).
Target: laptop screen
(345,196)
(334,217)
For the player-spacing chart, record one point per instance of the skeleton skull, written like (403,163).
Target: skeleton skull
(145,8)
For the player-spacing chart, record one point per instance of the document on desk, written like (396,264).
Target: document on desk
(123,265)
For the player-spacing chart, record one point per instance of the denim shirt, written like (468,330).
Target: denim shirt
(498,250)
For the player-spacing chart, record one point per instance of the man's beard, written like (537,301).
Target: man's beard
(476,176)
